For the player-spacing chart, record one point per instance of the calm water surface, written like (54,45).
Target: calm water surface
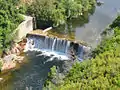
(103,16)
(89,28)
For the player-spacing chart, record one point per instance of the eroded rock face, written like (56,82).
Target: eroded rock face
(10,61)
(13,56)
(8,65)
(9,58)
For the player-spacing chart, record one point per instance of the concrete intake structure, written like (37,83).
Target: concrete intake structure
(25,27)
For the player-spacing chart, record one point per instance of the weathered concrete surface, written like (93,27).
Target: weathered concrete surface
(14,56)
(25,27)
(10,61)
(49,34)
(8,65)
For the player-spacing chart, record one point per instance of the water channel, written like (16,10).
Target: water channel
(33,74)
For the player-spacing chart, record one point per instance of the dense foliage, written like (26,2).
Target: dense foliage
(9,20)
(109,43)
(55,12)
(116,23)
(99,73)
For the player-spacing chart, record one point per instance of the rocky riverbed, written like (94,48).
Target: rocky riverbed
(12,58)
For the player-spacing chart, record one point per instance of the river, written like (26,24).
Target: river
(33,74)
(89,28)
(103,16)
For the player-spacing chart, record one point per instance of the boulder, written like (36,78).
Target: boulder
(8,65)
(1,79)
(9,58)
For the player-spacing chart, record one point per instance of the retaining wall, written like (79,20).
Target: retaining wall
(25,27)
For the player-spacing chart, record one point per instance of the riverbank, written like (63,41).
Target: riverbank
(101,72)
(13,60)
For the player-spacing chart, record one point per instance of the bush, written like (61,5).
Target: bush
(10,18)
(56,12)
(101,72)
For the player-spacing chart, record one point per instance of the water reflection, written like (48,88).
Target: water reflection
(103,16)
(69,28)
(88,27)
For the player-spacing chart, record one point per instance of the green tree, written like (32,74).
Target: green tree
(9,20)
(56,12)
(101,72)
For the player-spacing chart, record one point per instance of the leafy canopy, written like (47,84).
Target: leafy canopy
(99,73)
(56,12)
(9,20)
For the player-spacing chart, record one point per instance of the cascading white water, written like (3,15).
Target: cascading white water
(46,40)
(67,47)
(49,46)
(80,52)
(53,47)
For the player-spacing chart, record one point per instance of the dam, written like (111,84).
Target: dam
(54,46)
(34,74)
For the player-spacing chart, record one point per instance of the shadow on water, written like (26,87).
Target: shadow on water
(69,27)
(33,74)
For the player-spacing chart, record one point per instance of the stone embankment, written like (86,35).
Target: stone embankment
(13,56)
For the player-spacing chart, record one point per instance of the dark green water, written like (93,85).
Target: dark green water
(33,74)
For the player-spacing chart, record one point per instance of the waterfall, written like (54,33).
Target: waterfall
(80,52)
(67,47)
(46,42)
(54,46)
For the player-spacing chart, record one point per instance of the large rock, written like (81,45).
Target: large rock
(19,59)
(8,65)
(9,58)
(1,79)
(9,61)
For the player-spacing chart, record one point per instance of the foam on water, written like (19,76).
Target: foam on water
(52,54)
(54,48)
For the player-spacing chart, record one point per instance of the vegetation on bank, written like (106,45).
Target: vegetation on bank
(48,12)
(56,12)
(10,18)
(101,72)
